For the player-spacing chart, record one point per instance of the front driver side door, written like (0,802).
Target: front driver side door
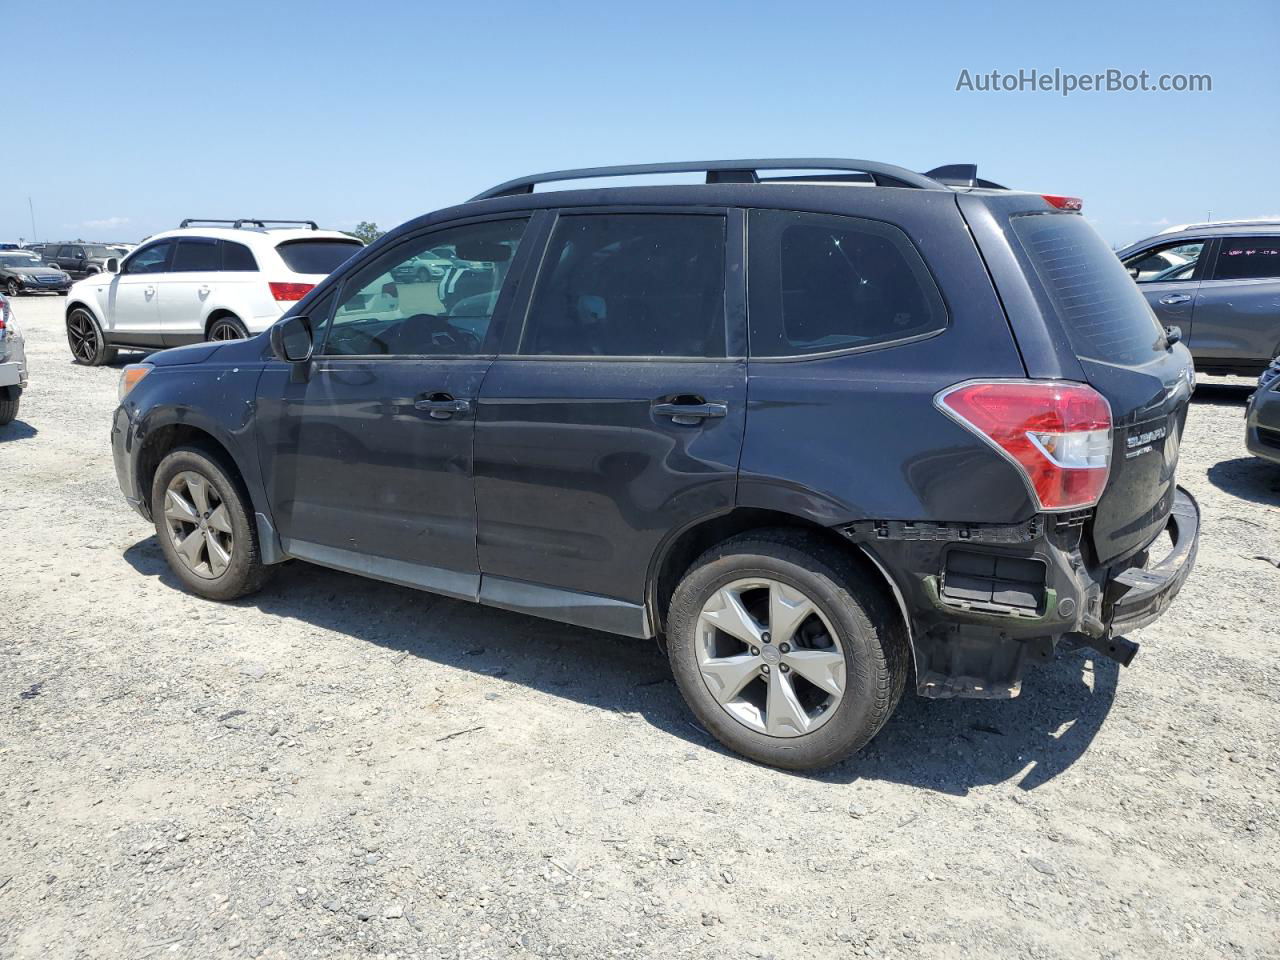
(368,462)
(132,311)
(1169,277)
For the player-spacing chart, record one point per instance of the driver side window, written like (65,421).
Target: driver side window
(432,296)
(152,259)
(1173,261)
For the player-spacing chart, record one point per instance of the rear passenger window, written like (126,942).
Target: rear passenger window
(1248,258)
(820,284)
(195,254)
(236,256)
(630,285)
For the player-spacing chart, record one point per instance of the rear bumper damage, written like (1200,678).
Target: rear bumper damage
(983,601)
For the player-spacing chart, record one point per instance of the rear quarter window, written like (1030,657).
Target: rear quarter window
(1105,315)
(820,284)
(317,256)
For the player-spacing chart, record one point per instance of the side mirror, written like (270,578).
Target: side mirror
(1133,272)
(1172,335)
(292,340)
(113,265)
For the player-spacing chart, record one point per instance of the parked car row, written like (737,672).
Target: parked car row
(820,436)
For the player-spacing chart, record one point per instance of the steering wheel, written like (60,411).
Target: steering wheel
(443,333)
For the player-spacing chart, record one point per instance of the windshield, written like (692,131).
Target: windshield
(19,260)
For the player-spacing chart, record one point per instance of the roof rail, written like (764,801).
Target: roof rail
(1259,222)
(239,224)
(723,171)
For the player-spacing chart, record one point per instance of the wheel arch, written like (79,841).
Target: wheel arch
(83,304)
(222,313)
(678,553)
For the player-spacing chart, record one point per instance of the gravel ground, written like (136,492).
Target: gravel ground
(343,768)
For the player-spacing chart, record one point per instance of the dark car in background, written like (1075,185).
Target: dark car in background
(79,259)
(1262,418)
(23,272)
(820,432)
(1219,283)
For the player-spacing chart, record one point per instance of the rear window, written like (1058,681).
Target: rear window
(316,256)
(1105,315)
(1248,258)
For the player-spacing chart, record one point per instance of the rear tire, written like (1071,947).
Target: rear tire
(786,700)
(8,410)
(205,526)
(84,337)
(227,328)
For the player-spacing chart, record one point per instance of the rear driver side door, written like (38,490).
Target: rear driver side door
(615,416)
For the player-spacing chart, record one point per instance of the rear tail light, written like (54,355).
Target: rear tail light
(1057,434)
(1063,203)
(290,291)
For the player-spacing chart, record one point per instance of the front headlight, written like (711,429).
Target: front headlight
(28,278)
(131,376)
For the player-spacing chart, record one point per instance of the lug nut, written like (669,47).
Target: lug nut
(765,636)
(785,668)
(785,648)
(755,651)
(764,668)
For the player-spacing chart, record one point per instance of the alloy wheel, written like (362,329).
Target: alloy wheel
(83,334)
(225,331)
(199,525)
(770,657)
(12,288)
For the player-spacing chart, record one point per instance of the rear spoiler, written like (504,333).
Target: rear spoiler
(966,175)
(962,175)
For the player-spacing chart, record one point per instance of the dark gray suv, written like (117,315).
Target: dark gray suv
(821,433)
(79,259)
(1219,283)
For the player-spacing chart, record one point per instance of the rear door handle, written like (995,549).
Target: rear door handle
(690,414)
(1173,298)
(441,406)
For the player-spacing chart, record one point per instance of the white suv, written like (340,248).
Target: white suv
(205,282)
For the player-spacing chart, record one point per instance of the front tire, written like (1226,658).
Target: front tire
(84,337)
(785,649)
(9,410)
(205,526)
(13,288)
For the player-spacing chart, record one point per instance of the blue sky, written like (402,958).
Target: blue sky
(127,117)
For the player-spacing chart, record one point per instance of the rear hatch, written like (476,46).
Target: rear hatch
(1106,322)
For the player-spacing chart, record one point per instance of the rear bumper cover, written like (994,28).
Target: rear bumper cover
(13,374)
(979,648)
(1143,594)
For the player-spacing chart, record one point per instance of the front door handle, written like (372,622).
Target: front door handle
(148,291)
(692,413)
(1173,298)
(441,406)
(204,290)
